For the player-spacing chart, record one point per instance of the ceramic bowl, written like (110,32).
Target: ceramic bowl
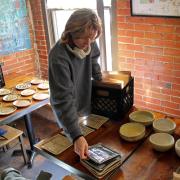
(164,125)
(132,131)
(161,141)
(144,117)
(177,147)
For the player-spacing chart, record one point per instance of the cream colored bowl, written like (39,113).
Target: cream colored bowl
(164,125)
(132,131)
(144,117)
(161,141)
(177,147)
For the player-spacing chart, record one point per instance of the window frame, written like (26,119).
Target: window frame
(49,28)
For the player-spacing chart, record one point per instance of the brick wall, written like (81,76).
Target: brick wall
(20,62)
(40,36)
(149,47)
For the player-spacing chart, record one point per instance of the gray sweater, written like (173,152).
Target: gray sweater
(70,85)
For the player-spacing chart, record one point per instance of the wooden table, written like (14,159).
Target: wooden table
(11,81)
(139,160)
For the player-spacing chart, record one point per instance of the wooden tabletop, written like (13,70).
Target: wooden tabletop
(10,83)
(138,158)
(146,163)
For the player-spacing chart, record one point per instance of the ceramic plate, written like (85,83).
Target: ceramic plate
(36,81)
(143,117)
(40,96)
(23,86)
(7,110)
(10,97)
(28,92)
(4,92)
(43,86)
(132,131)
(22,102)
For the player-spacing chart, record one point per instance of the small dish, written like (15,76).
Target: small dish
(4,91)
(40,96)
(144,117)
(23,86)
(43,86)
(177,147)
(28,92)
(6,110)
(36,81)
(10,97)
(161,141)
(164,125)
(22,102)
(132,131)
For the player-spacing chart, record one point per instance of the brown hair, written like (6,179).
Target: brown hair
(81,21)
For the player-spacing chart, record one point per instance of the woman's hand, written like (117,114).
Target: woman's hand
(81,147)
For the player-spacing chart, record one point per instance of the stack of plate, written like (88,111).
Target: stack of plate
(132,131)
(144,117)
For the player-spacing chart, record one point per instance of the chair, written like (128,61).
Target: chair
(10,137)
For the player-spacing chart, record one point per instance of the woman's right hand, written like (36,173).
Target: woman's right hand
(81,147)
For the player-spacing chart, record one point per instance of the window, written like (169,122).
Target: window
(56,9)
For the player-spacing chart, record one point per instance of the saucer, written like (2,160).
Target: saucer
(40,96)
(23,86)
(22,102)
(10,97)
(28,92)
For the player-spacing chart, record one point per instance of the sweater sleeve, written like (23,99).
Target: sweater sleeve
(62,94)
(96,70)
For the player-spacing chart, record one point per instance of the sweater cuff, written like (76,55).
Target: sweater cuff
(77,138)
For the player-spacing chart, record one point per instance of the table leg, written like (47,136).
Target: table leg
(31,136)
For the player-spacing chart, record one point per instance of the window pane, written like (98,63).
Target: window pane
(107,3)
(71,4)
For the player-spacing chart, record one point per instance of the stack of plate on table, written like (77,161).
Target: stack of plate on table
(102,160)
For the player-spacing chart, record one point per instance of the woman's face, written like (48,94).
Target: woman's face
(83,42)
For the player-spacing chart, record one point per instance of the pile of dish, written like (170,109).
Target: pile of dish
(135,130)
(161,140)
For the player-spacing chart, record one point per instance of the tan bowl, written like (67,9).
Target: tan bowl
(161,141)
(132,131)
(144,117)
(177,147)
(164,125)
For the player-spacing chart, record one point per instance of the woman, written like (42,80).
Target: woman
(72,64)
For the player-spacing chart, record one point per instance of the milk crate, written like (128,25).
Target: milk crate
(112,100)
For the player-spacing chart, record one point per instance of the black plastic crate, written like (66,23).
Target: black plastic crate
(112,101)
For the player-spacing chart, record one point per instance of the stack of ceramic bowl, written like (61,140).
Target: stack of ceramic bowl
(162,140)
(144,117)
(132,131)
